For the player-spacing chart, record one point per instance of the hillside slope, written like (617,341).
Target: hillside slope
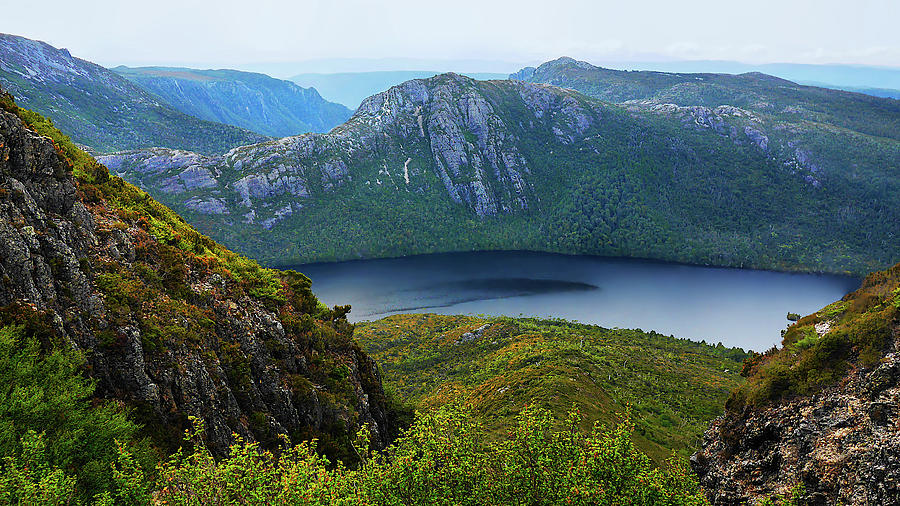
(256,102)
(172,324)
(100,109)
(672,387)
(821,411)
(450,163)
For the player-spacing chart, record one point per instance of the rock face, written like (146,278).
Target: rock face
(170,322)
(248,100)
(101,109)
(449,132)
(841,444)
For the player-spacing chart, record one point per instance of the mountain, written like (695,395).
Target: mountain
(453,164)
(777,98)
(256,102)
(171,324)
(351,88)
(672,388)
(842,77)
(820,413)
(99,108)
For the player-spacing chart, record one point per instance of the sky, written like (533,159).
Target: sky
(490,35)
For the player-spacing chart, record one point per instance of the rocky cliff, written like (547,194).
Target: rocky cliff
(818,417)
(99,108)
(248,100)
(171,323)
(449,132)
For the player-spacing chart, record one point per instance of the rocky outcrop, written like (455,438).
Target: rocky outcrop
(818,418)
(842,445)
(171,323)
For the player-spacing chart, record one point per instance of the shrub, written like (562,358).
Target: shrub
(444,458)
(50,434)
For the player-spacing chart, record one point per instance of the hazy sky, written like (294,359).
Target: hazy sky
(231,33)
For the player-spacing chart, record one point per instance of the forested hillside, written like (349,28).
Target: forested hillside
(450,163)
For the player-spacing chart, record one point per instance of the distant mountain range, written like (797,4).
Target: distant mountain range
(746,170)
(779,98)
(351,88)
(99,108)
(845,77)
(256,102)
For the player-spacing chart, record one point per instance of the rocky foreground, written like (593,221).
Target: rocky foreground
(171,323)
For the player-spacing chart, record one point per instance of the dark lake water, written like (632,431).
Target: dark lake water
(743,308)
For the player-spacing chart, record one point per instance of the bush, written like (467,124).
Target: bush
(442,459)
(50,435)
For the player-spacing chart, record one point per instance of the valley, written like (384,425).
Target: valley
(256,102)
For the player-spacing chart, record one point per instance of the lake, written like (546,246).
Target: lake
(745,308)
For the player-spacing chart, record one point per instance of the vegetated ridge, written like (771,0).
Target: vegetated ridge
(671,388)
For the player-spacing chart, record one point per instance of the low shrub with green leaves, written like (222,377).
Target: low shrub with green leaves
(444,458)
(56,444)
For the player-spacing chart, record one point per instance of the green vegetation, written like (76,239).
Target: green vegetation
(819,349)
(444,458)
(56,444)
(89,454)
(671,387)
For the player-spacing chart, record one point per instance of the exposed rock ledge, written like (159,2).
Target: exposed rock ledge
(842,444)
